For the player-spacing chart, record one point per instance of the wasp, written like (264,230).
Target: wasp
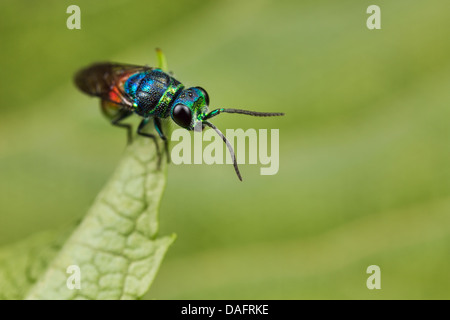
(153,94)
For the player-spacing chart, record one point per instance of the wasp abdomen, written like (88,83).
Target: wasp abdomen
(106,80)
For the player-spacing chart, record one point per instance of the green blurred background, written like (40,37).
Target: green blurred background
(364,147)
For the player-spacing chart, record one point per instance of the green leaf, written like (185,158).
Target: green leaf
(22,263)
(115,246)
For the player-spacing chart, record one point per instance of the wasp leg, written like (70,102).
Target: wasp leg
(116,113)
(149,135)
(123,114)
(157,123)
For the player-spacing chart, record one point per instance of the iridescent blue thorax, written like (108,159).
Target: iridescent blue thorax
(152,92)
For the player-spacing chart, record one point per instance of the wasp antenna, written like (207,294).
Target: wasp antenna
(240,111)
(230,148)
(253,113)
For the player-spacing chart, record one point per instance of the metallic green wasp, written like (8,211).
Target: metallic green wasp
(153,94)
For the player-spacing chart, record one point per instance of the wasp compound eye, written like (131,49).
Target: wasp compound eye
(182,115)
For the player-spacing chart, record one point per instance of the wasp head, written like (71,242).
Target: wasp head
(190,111)
(190,107)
